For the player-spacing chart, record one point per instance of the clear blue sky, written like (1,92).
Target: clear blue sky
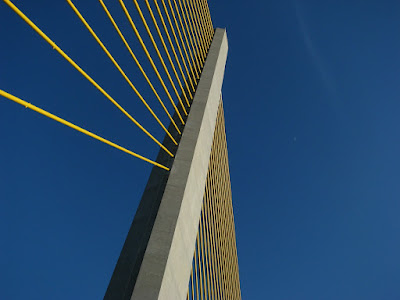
(311,98)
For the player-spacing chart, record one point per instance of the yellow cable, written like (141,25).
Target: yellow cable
(173,49)
(177,44)
(150,59)
(198,54)
(191,279)
(201,25)
(160,57)
(138,64)
(209,14)
(196,33)
(201,36)
(196,269)
(183,44)
(166,49)
(190,37)
(186,38)
(62,121)
(199,261)
(119,68)
(207,18)
(203,22)
(62,53)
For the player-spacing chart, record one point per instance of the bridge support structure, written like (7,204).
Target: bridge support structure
(184,222)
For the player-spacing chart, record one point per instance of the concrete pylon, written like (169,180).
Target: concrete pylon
(156,259)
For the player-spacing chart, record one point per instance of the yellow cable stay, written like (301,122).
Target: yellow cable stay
(173,48)
(91,80)
(166,50)
(151,61)
(176,42)
(184,30)
(69,124)
(194,32)
(207,18)
(119,68)
(203,22)
(159,54)
(197,26)
(138,63)
(182,42)
(208,13)
(189,33)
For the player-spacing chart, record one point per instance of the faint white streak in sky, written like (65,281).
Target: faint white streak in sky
(317,60)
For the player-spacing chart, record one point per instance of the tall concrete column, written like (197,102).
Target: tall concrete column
(156,259)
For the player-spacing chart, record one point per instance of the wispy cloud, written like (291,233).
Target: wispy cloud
(316,58)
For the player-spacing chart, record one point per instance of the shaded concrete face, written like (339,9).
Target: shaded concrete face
(127,268)
(156,259)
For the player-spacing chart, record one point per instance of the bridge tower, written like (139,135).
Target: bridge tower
(181,244)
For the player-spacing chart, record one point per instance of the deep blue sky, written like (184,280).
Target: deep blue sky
(311,97)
